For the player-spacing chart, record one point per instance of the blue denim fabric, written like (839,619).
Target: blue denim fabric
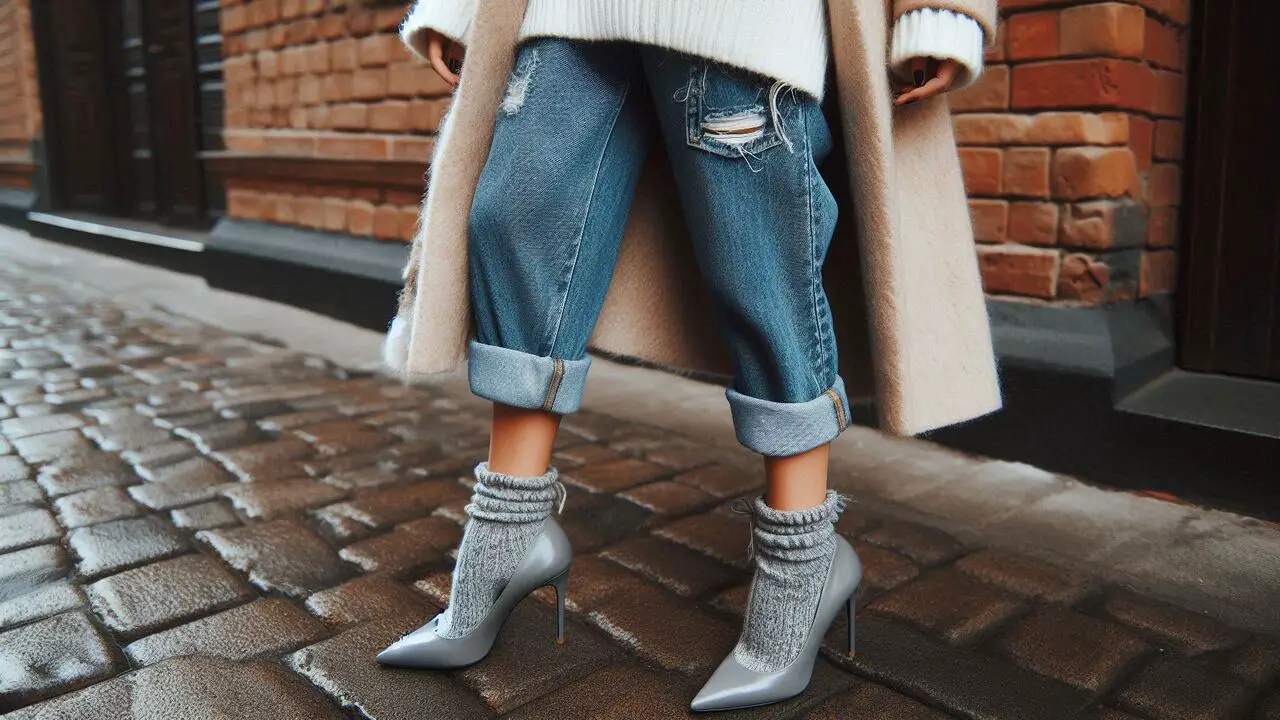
(547,221)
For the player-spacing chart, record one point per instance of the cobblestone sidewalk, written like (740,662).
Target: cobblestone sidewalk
(195,524)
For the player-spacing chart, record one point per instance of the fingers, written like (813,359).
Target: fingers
(941,75)
(436,54)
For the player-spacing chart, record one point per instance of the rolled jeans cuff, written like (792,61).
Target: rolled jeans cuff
(780,429)
(523,380)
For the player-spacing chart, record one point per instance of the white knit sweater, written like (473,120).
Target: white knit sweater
(784,40)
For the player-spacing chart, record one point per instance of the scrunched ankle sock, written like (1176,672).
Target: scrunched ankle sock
(793,552)
(505,515)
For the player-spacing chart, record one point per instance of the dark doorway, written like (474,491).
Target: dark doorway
(1231,281)
(128,87)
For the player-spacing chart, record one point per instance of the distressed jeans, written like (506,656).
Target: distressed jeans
(547,222)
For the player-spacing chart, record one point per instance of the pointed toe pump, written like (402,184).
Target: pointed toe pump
(545,564)
(734,687)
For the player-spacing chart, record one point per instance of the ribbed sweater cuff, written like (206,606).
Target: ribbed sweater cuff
(940,34)
(451,18)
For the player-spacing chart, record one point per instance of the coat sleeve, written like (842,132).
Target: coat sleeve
(451,18)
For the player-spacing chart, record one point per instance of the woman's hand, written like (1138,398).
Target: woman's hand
(445,56)
(931,77)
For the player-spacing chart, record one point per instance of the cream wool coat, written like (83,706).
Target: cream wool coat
(914,328)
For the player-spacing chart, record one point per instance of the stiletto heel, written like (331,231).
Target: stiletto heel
(546,563)
(561,584)
(852,609)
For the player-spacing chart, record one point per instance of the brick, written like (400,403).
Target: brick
(310,92)
(990,92)
(665,629)
(335,214)
(1169,96)
(882,569)
(204,516)
(349,116)
(408,549)
(1141,137)
(53,656)
(872,702)
(428,115)
(1158,273)
(1165,45)
(408,223)
(1019,271)
(261,501)
(377,50)
(333,25)
(140,601)
(390,116)
(318,58)
(515,673)
(344,668)
(267,63)
(668,498)
(958,607)
(91,507)
(355,147)
(24,529)
(1083,278)
(990,219)
(722,537)
(1165,185)
(386,508)
(344,54)
(280,555)
(614,476)
(1033,35)
(114,546)
(369,84)
(1177,11)
(1177,690)
(19,494)
(1090,172)
(1033,223)
(230,433)
(19,428)
(337,87)
(1257,662)
(1089,225)
(968,684)
(263,629)
(1163,227)
(13,469)
(1026,172)
(1168,140)
(990,128)
(43,601)
(1109,28)
(294,60)
(1180,630)
(618,691)
(1094,83)
(983,170)
(679,569)
(366,598)
(386,222)
(1081,651)
(244,204)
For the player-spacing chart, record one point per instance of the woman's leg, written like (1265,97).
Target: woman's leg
(761,218)
(545,229)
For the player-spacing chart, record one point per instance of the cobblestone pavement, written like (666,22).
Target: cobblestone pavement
(195,524)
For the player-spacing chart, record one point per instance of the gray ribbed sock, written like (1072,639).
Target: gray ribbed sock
(506,514)
(793,553)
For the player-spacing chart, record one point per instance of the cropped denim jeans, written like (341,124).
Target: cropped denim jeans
(547,223)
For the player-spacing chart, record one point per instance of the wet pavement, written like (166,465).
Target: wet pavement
(199,524)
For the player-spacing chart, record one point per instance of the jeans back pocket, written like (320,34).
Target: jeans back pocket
(727,112)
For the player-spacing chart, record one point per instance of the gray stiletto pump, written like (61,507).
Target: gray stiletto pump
(546,563)
(734,687)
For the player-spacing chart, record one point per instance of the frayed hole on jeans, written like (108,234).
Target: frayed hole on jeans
(518,86)
(737,131)
(776,92)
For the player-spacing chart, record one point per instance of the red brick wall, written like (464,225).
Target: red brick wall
(331,79)
(19,98)
(1071,146)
